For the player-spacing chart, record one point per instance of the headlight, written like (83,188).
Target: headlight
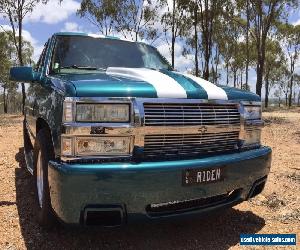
(102,146)
(102,112)
(251,112)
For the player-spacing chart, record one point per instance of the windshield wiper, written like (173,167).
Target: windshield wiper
(74,66)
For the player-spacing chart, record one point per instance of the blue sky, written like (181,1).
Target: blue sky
(53,17)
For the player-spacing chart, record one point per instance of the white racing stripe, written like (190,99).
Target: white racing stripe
(166,87)
(213,91)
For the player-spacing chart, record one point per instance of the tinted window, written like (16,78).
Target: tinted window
(101,53)
(41,60)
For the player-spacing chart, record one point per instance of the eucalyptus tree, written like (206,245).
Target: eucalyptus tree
(263,16)
(290,39)
(175,23)
(16,11)
(101,13)
(7,53)
(209,12)
(297,81)
(134,19)
(9,57)
(227,39)
(273,63)
(283,80)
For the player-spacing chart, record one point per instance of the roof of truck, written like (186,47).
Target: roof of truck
(90,35)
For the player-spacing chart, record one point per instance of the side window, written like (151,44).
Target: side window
(54,64)
(41,60)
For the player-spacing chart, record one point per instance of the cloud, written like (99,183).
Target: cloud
(28,37)
(53,12)
(72,27)
(182,63)
(296,22)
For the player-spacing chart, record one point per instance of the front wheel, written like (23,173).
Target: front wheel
(43,152)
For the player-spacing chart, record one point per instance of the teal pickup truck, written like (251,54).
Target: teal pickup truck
(112,135)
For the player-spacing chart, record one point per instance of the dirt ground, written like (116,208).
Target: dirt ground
(277,210)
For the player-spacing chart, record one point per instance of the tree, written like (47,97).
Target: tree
(227,39)
(133,19)
(101,13)
(282,82)
(209,12)
(273,72)
(263,16)
(290,37)
(297,80)
(16,11)
(9,57)
(174,22)
(6,51)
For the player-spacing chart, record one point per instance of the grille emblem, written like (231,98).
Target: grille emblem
(202,129)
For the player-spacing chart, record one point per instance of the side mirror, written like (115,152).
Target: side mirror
(23,74)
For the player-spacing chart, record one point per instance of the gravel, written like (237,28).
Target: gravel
(276,210)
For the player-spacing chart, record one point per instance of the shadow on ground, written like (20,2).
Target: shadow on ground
(219,232)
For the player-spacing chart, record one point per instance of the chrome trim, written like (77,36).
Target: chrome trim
(142,131)
(190,144)
(249,124)
(136,127)
(205,114)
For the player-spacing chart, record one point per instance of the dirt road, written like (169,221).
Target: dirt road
(277,210)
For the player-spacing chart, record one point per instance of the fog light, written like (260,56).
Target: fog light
(66,146)
(102,146)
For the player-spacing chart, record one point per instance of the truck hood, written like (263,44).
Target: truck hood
(148,83)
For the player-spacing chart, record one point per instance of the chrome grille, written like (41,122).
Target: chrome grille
(189,144)
(182,114)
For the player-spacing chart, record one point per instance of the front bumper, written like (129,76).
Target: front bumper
(133,186)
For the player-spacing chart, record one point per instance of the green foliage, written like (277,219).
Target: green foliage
(133,19)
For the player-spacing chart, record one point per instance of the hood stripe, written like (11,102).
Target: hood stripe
(212,90)
(193,90)
(165,86)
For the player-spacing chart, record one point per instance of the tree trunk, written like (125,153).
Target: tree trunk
(217,64)
(247,45)
(291,82)
(259,79)
(206,63)
(20,56)
(267,91)
(173,35)
(241,79)
(234,79)
(196,39)
(227,73)
(261,53)
(4,101)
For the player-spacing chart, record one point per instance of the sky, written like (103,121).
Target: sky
(54,17)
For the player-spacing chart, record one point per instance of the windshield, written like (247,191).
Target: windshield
(88,54)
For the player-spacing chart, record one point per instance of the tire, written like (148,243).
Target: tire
(43,152)
(26,139)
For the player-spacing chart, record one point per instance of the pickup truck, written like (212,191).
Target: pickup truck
(113,135)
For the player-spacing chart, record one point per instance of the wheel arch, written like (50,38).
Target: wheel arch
(43,124)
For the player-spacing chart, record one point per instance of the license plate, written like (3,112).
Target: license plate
(202,176)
